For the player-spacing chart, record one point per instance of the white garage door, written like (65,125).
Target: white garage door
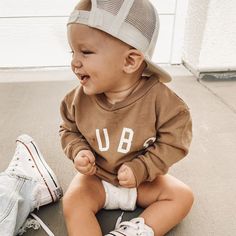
(33,33)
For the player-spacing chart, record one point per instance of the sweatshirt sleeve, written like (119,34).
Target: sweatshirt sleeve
(174,134)
(72,140)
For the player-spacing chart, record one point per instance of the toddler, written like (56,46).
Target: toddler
(123,127)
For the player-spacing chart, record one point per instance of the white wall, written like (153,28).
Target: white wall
(33,33)
(210,36)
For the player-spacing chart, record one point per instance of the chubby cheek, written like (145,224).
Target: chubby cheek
(114,66)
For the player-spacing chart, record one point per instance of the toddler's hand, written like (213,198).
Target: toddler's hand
(85,162)
(126,177)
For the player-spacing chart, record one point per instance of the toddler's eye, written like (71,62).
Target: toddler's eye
(86,52)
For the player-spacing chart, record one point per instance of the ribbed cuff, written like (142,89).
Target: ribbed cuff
(75,152)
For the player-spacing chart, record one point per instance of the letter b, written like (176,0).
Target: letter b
(125,140)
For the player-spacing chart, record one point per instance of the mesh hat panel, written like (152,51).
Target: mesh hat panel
(142,18)
(111,6)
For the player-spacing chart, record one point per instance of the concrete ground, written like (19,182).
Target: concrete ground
(209,169)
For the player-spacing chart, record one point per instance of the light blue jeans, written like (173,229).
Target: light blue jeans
(17,200)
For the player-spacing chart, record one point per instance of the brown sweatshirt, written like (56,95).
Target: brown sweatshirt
(149,131)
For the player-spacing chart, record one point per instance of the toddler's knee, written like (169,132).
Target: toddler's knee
(74,200)
(79,200)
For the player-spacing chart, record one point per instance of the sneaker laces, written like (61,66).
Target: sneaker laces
(35,224)
(137,226)
(119,220)
(43,225)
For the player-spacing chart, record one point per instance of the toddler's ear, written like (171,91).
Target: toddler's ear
(133,61)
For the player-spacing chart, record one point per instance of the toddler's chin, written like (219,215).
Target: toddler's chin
(89,91)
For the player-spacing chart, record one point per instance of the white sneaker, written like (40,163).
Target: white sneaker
(135,227)
(28,161)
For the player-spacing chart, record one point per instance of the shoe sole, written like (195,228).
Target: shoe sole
(50,178)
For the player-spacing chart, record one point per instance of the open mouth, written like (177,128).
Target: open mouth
(84,79)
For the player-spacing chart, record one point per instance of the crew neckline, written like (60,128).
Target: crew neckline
(102,101)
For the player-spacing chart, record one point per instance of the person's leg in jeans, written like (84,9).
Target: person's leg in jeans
(17,200)
(26,184)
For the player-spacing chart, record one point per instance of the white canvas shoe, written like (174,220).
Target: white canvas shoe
(28,161)
(135,227)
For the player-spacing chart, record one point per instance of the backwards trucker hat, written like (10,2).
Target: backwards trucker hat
(134,22)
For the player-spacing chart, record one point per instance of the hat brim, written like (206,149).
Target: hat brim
(153,69)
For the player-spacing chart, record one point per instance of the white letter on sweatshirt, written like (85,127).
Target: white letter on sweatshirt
(126,141)
(107,143)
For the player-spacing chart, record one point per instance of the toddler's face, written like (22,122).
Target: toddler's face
(97,59)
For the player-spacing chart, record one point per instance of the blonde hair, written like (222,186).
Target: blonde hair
(84,5)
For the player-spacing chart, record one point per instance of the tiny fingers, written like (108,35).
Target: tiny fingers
(92,171)
(81,161)
(122,176)
(89,169)
(88,154)
(125,177)
(126,184)
(123,183)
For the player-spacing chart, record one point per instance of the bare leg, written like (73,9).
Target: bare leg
(167,201)
(83,199)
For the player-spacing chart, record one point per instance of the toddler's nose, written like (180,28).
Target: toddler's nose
(76,63)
